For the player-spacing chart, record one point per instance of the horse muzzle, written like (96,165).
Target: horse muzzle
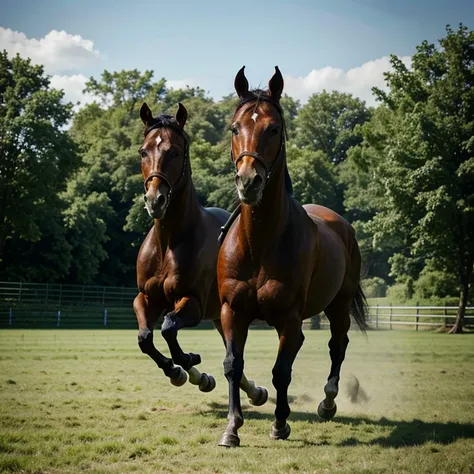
(249,187)
(156,204)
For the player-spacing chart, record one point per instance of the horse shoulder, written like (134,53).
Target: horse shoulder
(148,260)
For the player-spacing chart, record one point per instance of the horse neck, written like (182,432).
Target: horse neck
(182,215)
(260,224)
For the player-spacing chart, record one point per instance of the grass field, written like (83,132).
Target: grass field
(90,401)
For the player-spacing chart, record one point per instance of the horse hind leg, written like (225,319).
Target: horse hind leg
(258,396)
(340,322)
(146,320)
(291,340)
(186,314)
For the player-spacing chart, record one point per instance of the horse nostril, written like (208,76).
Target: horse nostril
(160,200)
(257,182)
(145,198)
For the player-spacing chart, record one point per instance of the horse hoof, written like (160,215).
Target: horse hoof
(207,384)
(229,440)
(326,413)
(280,433)
(180,379)
(261,397)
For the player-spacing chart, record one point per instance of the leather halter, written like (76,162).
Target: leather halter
(165,121)
(254,154)
(235,213)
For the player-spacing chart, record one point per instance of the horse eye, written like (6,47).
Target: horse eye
(234,130)
(274,129)
(174,153)
(143,153)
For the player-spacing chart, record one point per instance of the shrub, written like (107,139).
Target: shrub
(374,287)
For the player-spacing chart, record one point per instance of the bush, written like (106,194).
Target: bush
(374,287)
(434,286)
(398,293)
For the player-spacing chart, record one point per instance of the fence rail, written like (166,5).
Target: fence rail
(417,316)
(36,305)
(65,295)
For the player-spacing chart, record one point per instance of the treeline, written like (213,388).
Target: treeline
(402,173)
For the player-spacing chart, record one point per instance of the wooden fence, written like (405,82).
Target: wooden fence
(35,305)
(417,317)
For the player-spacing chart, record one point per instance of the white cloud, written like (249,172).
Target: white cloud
(73,87)
(180,83)
(357,81)
(58,51)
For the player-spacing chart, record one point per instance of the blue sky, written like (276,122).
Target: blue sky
(316,44)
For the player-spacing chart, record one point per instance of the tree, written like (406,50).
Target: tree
(36,157)
(364,194)
(428,171)
(328,123)
(314,178)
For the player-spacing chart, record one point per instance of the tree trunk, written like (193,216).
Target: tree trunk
(457,328)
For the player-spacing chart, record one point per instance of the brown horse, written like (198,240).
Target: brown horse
(176,265)
(281,262)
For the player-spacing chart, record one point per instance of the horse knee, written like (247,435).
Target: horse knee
(145,340)
(169,327)
(233,363)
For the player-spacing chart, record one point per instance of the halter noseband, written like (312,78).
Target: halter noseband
(163,121)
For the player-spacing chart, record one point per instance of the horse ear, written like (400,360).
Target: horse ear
(275,85)
(181,115)
(145,114)
(241,84)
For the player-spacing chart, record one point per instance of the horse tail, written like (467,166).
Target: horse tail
(359,309)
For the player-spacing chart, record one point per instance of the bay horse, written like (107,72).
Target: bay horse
(281,262)
(176,264)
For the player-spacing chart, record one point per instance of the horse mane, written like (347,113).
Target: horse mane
(255,95)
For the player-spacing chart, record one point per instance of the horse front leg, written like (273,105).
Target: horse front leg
(187,313)
(257,395)
(146,318)
(291,340)
(235,329)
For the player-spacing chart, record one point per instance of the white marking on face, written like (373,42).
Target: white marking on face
(158,140)
(254,117)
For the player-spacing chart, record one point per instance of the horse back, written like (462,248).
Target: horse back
(332,220)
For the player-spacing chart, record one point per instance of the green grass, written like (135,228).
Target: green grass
(90,401)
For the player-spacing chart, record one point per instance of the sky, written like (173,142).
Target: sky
(334,45)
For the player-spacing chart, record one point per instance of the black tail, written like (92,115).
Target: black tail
(359,310)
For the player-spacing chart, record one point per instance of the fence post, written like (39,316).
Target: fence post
(377,317)
(105,317)
(445,316)
(59,318)
(417,318)
(390,316)
(10,317)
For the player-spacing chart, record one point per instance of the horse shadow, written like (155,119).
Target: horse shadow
(402,434)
